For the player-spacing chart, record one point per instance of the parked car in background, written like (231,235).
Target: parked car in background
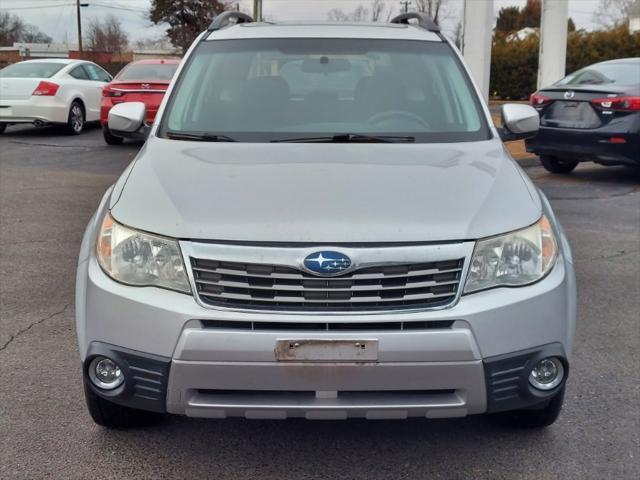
(51,91)
(142,81)
(590,115)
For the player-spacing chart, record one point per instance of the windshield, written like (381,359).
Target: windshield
(275,89)
(605,73)
(149,71)
(31,70)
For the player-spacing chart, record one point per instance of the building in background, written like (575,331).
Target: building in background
(111,61)
(139,54)
(29,51)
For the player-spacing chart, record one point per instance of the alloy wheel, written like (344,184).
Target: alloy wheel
(77,118)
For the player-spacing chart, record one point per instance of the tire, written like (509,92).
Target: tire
(558,165)
(111,139)
(76,119)
(534,418)
(112,415)
(3,127)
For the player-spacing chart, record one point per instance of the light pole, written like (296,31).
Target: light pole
(257,10)
(78,5)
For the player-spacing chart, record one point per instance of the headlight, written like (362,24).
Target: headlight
(140,259)
(512,260)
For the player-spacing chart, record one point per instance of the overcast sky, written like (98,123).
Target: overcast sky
(57,18)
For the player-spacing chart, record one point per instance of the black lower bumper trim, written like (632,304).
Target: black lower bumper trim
(146,377)
(507,378)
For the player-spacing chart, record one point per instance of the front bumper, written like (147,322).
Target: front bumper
(216,367)
(329,391)
(429,373)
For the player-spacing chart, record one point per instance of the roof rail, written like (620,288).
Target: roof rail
(424,20)
(224,19)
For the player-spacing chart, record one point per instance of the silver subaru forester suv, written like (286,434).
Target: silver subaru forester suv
(324,223)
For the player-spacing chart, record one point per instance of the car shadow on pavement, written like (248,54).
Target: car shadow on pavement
(27,131)
(593,173)
(588,181)
(298,448)
(57,136)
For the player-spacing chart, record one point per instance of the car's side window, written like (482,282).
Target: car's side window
(96,73)
(79,73)
(104,75)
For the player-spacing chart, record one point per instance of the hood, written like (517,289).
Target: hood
(325,193)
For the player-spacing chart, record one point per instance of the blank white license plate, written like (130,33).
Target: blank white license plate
(321,350)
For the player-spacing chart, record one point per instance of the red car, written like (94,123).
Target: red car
(142,81)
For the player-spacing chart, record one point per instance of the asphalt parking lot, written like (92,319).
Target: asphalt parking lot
(49,186)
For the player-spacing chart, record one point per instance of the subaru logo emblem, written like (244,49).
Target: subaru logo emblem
(569,94)
(327,263)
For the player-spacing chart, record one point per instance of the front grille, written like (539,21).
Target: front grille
(261,286)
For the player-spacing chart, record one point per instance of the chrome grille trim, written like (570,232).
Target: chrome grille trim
(302,288)
(356,276)
(270,279)
(282,299)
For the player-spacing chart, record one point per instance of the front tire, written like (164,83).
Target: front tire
(3,127)
(558,165)
(534,418)
(76,119)
(112,415)
(111,139)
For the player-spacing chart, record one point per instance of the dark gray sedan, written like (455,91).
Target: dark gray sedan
(590,115)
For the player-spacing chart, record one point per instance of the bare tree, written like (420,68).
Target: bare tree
(32,34)
(458,34)
(390,14)
(360,14)
(154,43)
(377,9)
(436,9)
(337,15)
(13,29)
(612,13)
(106,36)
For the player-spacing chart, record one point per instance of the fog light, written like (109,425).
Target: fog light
(547,374)
(105,373)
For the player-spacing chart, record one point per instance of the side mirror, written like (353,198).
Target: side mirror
(518,122)
(127,119)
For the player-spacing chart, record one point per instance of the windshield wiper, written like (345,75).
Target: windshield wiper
(200,137)
(349,138)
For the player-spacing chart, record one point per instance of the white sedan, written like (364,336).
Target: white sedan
(51,91)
